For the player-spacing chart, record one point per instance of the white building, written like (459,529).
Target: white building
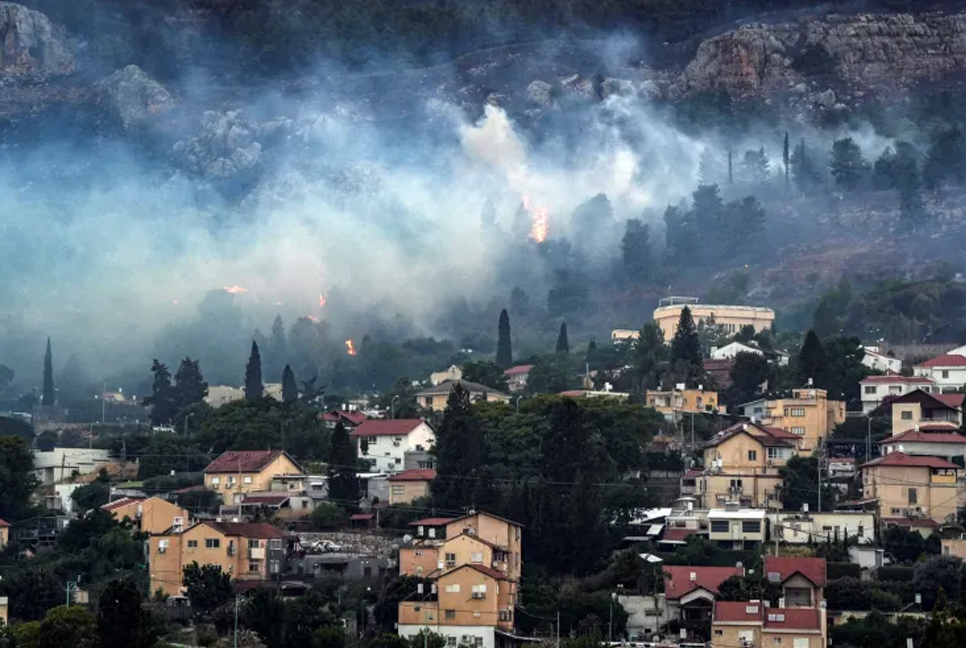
(453,373)
(219,395)
(875,360)
(646,615)
(947,371)
(738,528)
(388,440)
(797,527)
(867,557)
(928,444)
(516,377)
(874,389)
(59,464)
(729,351)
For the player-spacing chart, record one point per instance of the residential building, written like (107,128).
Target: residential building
(419,460)
(238,472)
(908,486)
(875,360)
(841,468)
(350,419)
(731,318)
(516,377)
(61,464)
(924,526)
(750,624)
(619,336)
(4,613)
(453,373)
(679,401)
(646,615)
(920,407)
(807,414)
(4,533)
(595,393)
(406,486)
(348,567)
(917,442)
(219,395)
(733,527)
(434,398)
(690,592)
(152,515)
(876,389)
(947,371)
(867,557)
(683,522)
(388,440)
(955,546)
(802,579)
(248,551)
(803,528)
(732,349)
(719,372)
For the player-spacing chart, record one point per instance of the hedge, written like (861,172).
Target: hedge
(894,573)
(842,569)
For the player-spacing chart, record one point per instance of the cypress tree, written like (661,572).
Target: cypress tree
(786,158)
(190,386)
(686,347)
(504,349)
(460,452)
(162,399)
(290,389)
(343,485)
(812,362)
(254,388)
(48,395)
(277,349)
(563,344)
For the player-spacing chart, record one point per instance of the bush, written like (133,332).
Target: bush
(894,573)
(328,516)
(841,570)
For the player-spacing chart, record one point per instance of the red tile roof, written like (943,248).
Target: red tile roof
(779,433)
(386,427)
(267,500)
(952,400)
(415,475)
(938,426)
(793,618)
(945,360)
(897,378)
(235,461)
(677,581)
(692,473)
(925,437)
(759,433)
(488,571)
(355,418)
(911,461)
(910,522)
(119,503)
(432,521)
(677,535)
(520,369)
(361,517)
(737,611)
(4,523)
(811,568)
(261,530)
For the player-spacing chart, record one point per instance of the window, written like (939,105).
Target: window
(371,440)
(398,490)
(477,641)
(453,588)
(799,430)
(505,615)
(752,455)
(718,633)
(398,460)
(162,545)
(192,544)
(212,543)
(451,560)
(253,567)
(450,641)
(913,496)
(945,373)
(450,615)
(274,566)
(215,481)
(275,544)
(751,526)
(367,571)
(907,416)
(777,641)
(861,531)
(246,480)
(253,543)
(476,558)
(719,526)
(735,484)
(797,412)
(869,390)
(801,642)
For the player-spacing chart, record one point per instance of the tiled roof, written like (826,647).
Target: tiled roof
(952,400)
(811,568)
(4,523)
(261,530)
(737,611)
(447,386)
(910,522)
(779,433)
(912,461)
(361,517)
(520,369)
(414,475)
(945,360)
(692,473)
(938,426)
(793,618)
(761,434)
(120,503)
(678,581)
(897,378)
(267,500)
(235,461)
(488,571)
(432,521)
(677,535)
(355,418)
(490,515)
(491,545)
(386,427)
(925,437)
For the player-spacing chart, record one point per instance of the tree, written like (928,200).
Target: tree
(254,388)
(206,586)
(162,399)
(883,171)
(946,626)
(847,164)
(190,386)
(93,495)
(343,485)
(519,302)
(264,614)
(486,373)
(938,573)
(32,591)
(460,452)
(17,479)
(636,249)
(68,626)
(504,348)
(749,373)
(800,484)
(277,349)
(946,158)
(756,166)
(648,355)
(563,344)
(122,619)
(804,170)
(552,374)
(290,389)
(908,181)
(686,348)
(812,363)
(48,393)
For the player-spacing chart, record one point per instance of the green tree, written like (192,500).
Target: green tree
(327,515)
(504,348)
(755,166)
(686,348)
(883,171)
(206,586)
(93,495)
(343,484)
(162,400)
(945,159)
(32,591)
(27,635)
(264,614)
(290,389)
(254,387)
(749,373)
(847,164)
(190,387)
(806,173)
(940,573)
(636,250)
(947,625)
(169,453)
(277,350)
(648,355)
(812,362)
(122,619)
(48,393)
(552,374)
(908,181)
(800,485)
(68,626)
(17,479)
(460,452)
(486,373)
(563,344)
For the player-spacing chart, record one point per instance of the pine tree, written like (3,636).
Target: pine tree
(277,349)
(190,386)
(785,158)
(343,485)
(686,348)
(756,166)
(812,362)
(48,394)
(162,400)
(460,452)
(847,164)
(254,388)
(804,171)
(636,249)
(563,344)
(504,348)
(290,389)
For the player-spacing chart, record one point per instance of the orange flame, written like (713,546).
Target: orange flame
(234,290)
(539,221)
(350,348)
(312,318)
(321,301)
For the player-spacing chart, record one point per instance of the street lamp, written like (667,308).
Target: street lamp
(190,414)
(392,407)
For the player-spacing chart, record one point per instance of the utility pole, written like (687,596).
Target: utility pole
(819,464)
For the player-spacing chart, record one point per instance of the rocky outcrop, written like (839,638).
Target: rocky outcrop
(877,53)
(132,97)
(31,47)
(225,147)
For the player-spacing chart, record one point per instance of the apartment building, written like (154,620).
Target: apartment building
(944,443)
(752,624)
(434,398)
(737,528)
(802,579)
(676,402)
(388,440)
(152,515)
(408,485)
(237,473)
(909,486)
(947,371)
(802,528)
(808,414)
(731,318)
(920,407)
(874,390)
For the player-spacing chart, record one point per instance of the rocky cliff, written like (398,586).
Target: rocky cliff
(31,46)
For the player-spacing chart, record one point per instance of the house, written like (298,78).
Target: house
(350,419)
(875,389)
(219,395)
(732,349)
(4,611)
(4,533)
(248,551)
(917,442)
(453,373)
(875,360)
(690,592)
(594,393)
(947,371)
(919,407)
(238,472)
(841,468)
(954,546)
(751,624)
(620,336)
(733,527)
(419,460)
(646,615)
(406,486)
(804,528)
(909,486)
(924,526)
(683,522)
(385,442)
(679,401)
(807,414)
(802,579)
(867,557)
(153,515)
(61,464)
(516,377)
(434,398)
(731,318)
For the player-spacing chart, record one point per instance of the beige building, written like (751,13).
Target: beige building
(238,472)
(219,395)
(152,515)
(250,551)
(410,484)
(453,373)
(4,613)
(4,533)
(808,414)
(955,547)
(920,408)
(733,527)
(739,624)
(731,318)
(913,487)
(434,398)
(680,400)
(741,465)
